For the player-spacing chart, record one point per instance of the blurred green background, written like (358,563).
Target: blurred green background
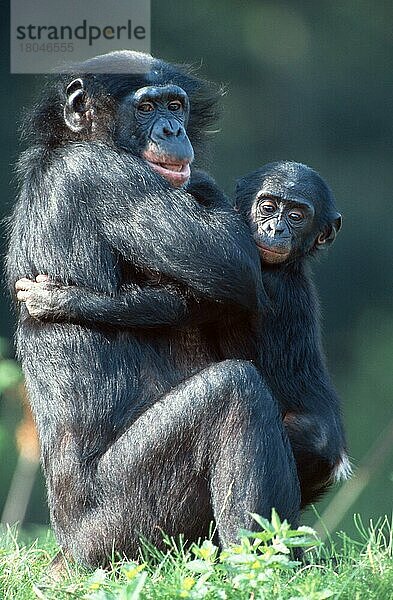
(310,82)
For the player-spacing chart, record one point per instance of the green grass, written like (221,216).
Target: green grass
(259,567)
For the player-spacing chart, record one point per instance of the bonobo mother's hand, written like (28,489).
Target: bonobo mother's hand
(41,297)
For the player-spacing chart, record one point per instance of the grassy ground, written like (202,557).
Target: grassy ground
(259,567)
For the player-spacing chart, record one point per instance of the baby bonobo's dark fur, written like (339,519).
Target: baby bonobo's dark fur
(141,428)
(292,215)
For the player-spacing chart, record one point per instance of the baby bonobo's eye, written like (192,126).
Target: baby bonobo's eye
(145,107)
(267,207)
(174,105)
(296,216)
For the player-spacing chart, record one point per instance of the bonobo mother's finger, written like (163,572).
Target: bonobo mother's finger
(23,296)
(41,278)
(24,284)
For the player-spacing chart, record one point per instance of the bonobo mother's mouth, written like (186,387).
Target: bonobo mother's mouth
(176,172)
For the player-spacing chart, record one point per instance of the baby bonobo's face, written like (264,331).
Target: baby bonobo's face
(291,211)
(280,226)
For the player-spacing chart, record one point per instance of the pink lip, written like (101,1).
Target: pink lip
(175,178)
(275,251)
(270,256)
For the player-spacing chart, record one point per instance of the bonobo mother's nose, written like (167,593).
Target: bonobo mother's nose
(174,129)
(165,128)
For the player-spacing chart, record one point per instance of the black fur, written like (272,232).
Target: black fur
(290,350)
(118,462)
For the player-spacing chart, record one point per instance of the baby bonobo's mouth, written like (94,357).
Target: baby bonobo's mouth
(176,172)
(273,254)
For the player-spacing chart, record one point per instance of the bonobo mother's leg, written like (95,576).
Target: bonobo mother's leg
(214,447)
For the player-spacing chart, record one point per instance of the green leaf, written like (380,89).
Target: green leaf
(301,542)
(279,546)
(264,523)
(133,589)
(240,559)
(276,520)
(96,580)
(199,566)
(305,529)
(264,536)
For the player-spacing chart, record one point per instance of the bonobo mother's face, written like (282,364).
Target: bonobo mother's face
(149,122)
(152,124)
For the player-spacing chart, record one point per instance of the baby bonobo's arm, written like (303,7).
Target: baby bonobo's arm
(293,364)
(134,305)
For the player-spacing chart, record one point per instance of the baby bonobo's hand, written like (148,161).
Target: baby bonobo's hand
(41,297)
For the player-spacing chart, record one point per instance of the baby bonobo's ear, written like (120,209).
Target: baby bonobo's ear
(329,233)
(243,196)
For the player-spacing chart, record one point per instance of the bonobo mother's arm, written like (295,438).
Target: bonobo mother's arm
(133,306)
(155,226)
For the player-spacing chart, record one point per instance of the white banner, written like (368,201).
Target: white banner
(46,35)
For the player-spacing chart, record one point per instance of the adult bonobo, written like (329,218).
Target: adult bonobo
(139,430)
(292,215)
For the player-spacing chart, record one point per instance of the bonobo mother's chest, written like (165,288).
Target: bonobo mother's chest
(68,247)
(184,350)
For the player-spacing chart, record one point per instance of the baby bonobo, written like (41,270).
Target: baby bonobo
(292,215)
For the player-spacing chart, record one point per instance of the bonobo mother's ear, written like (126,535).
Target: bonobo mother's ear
(77,113)
(328,235)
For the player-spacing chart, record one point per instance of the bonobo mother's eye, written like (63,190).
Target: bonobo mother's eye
(145,107)
(268,207)
(175,105)
(296,216)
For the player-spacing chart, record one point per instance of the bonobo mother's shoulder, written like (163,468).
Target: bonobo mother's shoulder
(101,163)
(206,191)
(95,166)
